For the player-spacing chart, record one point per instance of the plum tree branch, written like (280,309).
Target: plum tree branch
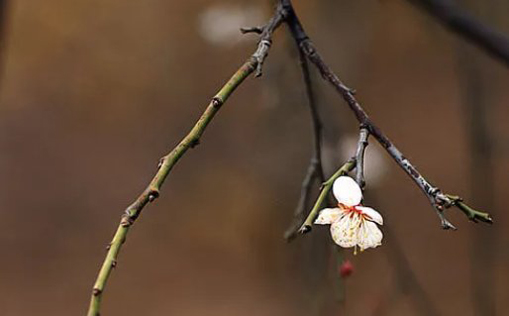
(167,162)
(284,13)
(438,200)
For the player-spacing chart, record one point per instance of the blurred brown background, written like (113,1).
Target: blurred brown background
(92,93)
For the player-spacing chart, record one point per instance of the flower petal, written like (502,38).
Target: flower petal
(347,191)
(345,231)
(373,215)
(369,236)
(328,216)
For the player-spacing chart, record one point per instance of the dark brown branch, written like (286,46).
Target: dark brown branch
(315,169)
(435,196)
(463,24)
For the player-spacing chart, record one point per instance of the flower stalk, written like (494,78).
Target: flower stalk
(326,187)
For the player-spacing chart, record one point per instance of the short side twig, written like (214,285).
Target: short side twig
(472,214)
(326,187)
(437,199)
(266,37)
(251,29)
(315,169)
(168,162)
(359,156)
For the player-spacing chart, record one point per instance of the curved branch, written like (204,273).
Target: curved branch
(168,162)
(315,169)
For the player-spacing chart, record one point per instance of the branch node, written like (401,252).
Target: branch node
(96,292)
(127,220)
(304,229)
(152,195)
(161,162)
(217,102)
(195,142)
(260,55)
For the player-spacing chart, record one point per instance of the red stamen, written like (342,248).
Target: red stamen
(352,210)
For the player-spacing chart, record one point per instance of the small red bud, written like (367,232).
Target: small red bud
(346,269)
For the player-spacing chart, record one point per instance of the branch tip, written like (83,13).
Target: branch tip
(472,214)
(152,195)
(195,142)
(126,221)
(446,225)
(252,29)
(305,229)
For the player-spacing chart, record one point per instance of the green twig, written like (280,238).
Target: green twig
(164,168)
(326,187)
(168,162)
(473,215)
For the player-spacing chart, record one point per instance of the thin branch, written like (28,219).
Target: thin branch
(359,156)
(168,162)
(251,29)
(315,169)
(326,187)
(435,196)
(305,193)
(472,214)
(463,24)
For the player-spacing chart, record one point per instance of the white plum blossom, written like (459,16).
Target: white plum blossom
(352,225)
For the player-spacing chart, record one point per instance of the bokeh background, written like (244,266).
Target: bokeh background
(92,93)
